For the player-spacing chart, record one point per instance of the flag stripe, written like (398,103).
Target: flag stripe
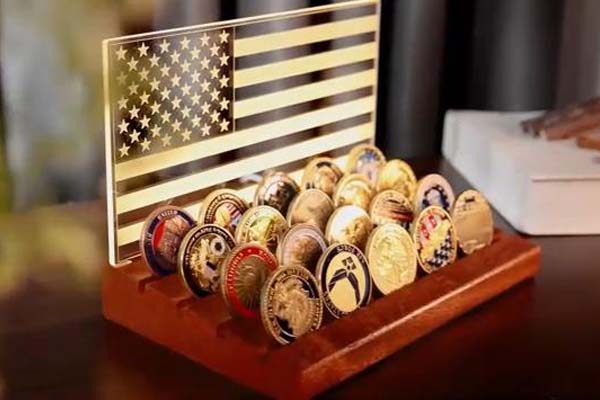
(227,172)
(304,65)
(302,36)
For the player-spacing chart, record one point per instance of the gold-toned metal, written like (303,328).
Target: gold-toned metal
(433,190)
(277,190)
(391,206)
(353,189)
(311,206)
(302,245)
(365,159)
(223,207)
(392,257)
(349,224)
(434,235)
(261,224)
(473,219)
(290,304)
(322,173)
(397,174)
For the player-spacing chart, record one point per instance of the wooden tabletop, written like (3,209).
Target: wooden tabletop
(539,340)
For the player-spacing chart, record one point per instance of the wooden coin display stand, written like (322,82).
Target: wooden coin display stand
(162,310)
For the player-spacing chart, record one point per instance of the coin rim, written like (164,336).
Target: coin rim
(424,266)
(488,211)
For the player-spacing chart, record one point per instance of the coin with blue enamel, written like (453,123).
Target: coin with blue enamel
(433,190)
(435,239)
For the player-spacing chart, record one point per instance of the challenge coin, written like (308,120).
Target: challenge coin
(354,189)
(398,175)
(365,159)
(262,224)
(277,190)
(222,207)
(321,173)
(311,206)
(302,245)
(201,254)
(349,224)
(243,274)
(162,234)
(391,206)
(473,219)
(290,304)
(433,190)
(392,258)
(434,236)
(344,279)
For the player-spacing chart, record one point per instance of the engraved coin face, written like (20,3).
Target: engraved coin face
(434,236)
(391,206)
(277,190)
(473,219)
(201,254)
(344,279)
(161,236)
(349,224)
(365,159)
(355,190)
(302,245)
(392,258)
(322,173)
(311,206)
(433,190)
(222,207)
(290,304)
(243,274)
(397,175)
(261,224)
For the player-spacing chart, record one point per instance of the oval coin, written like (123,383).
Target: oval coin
(277,190)
(398,175)
(365,159)
(354,189)
(473,219)
(311,206)
(302,245)
(435,240)
(322,173)
(223,207)
(261,224)
(433,190)
(391,206)
(349,224)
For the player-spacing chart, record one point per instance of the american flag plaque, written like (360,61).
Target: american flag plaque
(191,109)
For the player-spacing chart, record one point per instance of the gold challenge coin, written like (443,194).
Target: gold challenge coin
(397,175)
(365,159)
(433,190)
(435,240)
(473,219)
(312,206)
(261,224)
(222,207)
(277,190)
(349,224)
(353,189)
(302,245)
(391,206)
(321,173)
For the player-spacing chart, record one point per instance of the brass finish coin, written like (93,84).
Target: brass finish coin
(290,304)
(349,224)
(398,175)
(391,206)
(261,224)
(222,207)
(365,159)
(344,279)
(277,190)
(312,206)
(354,189)
(161,236)
(201,254)
(435,240)
(321,173)
(473,219)
(392,258)
(243,274)
(433,190)
(302,245)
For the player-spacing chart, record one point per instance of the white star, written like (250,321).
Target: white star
(165,70)
(176,103)
(176,126)
(122,78)
(155,131)
(133,89)
(214,95)
(214,117)
(121,53)
(224,104)
(135,136)
(165,94)
(205,85)
(195,53)
(224,36)
(185,43)
(144,98)
(185,66)
(164,46)
(143,49)
(205,108)
(185,112)
(122,103)
(185,89)
(224,125)
(214,73)
(214,50)
(224,59)
(154,84)
(134,112)
(205,38)
(154,60)
(205,63)
(195,77)
(144,74)
(145,144)
(132,64)
(175,57)
(124,150)
(206,130)
(196,99)
(155,107)
(196,121)
(145,122)
(175,80)
(165,117)
(123,126)
(185,135)
(166,141)
(224,81)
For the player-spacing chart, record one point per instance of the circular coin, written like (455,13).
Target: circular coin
(312,206)
(201,254)
(302,245)
(392,258)
(433,190)
(344,279)
(434,235)
(290,304)
(322,173)
(161,236)
(222,207)
(398,175)
(349,224)
(277,190)
(243,274)
(353,189)
(391,206)
(262,224)
(365,159)
(472,217)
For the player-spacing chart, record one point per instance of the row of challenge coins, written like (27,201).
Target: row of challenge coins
(317,250)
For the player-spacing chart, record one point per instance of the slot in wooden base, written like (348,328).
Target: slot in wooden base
(162,310)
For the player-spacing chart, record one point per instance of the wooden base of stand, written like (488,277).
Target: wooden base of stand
(162,310)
